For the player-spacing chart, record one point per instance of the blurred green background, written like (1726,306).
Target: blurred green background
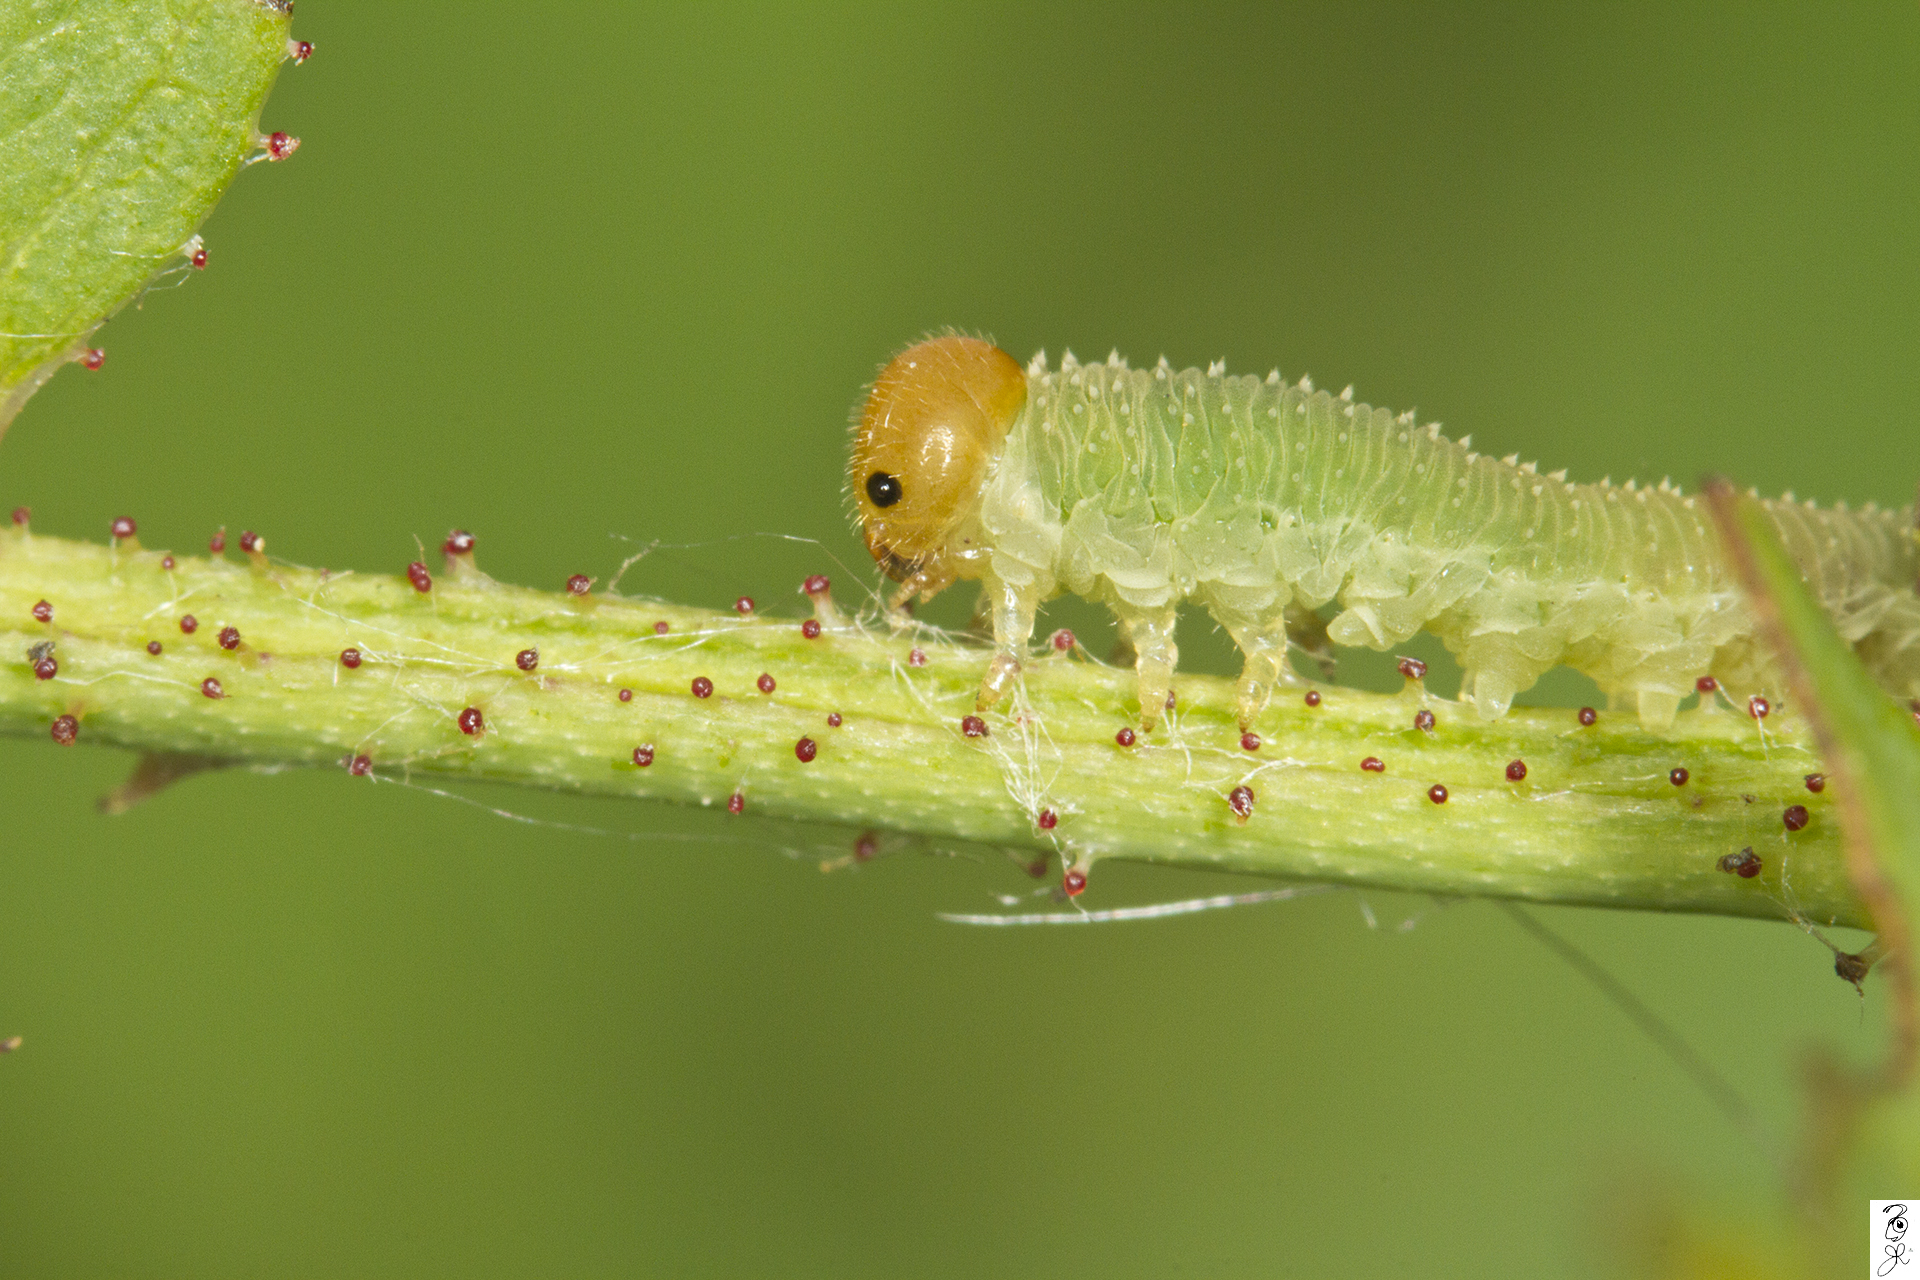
(579,278)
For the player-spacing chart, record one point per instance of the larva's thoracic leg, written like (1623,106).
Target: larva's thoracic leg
(1150,632)
(1013,608)
(925,582)
(1265,645)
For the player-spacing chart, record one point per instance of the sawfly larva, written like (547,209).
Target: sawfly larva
(1264,501)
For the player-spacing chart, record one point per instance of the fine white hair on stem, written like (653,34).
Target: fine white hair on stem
(1155,911)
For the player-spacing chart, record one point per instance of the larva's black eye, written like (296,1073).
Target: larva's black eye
(883,490)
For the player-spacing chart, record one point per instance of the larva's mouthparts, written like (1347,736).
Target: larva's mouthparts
(897,567)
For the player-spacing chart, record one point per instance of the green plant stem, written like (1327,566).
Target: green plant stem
(1597,819)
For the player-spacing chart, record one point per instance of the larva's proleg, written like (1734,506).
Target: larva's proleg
(1264,501)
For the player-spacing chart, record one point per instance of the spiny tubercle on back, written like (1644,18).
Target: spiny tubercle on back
(1264,501)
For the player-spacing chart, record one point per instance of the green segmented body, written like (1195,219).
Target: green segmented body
(1143,488)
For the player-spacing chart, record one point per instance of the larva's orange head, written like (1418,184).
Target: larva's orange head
(936,415)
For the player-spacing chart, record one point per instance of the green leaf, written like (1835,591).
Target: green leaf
(121,122)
